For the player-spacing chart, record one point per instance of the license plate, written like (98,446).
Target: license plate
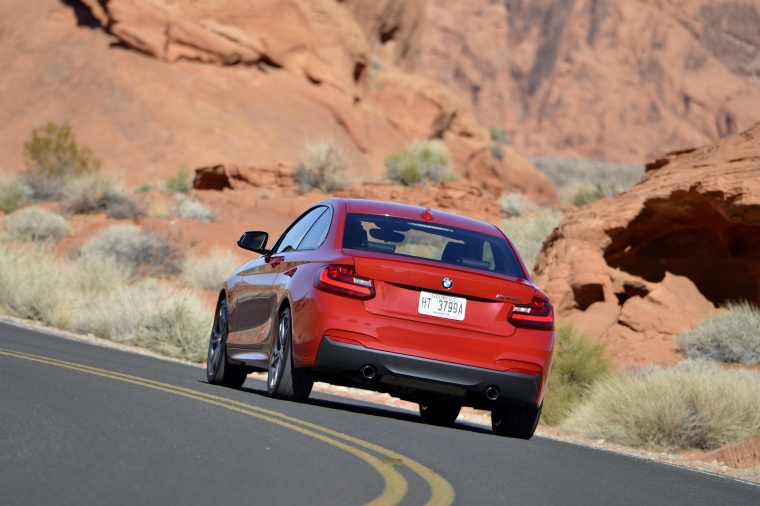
(442,306)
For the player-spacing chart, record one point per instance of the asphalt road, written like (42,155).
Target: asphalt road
(83,424)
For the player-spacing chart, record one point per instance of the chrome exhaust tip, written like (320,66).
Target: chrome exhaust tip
(368,371)
(492,393)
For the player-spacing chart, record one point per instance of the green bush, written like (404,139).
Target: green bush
(92,194)
(97,295)
(145,252)
(499,136)
(580,181)
(424,161)
(35,224)
(324,168)
(529,232)
(696,404)
(579,362)
(179,182)
(731,335)
(187,207)
(14,192)
(53,155)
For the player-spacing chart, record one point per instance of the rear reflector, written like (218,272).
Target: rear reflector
(345,340)
(539,314)
(343,280)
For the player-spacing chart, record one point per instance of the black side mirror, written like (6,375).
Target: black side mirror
(254,241)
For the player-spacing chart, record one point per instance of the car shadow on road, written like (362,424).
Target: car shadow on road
(362,407)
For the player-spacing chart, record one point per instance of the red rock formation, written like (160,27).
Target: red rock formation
(623,80)
(155,85)
(641,267)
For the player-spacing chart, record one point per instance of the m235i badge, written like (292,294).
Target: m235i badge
(509,298)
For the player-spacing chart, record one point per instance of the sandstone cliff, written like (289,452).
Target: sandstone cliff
(641,267)
(623,80)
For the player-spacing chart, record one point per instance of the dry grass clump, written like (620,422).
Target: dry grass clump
(423,161)
(530,230)
(208,271)
(516,204)
(14,192)
(582,181)
(90,194)
(97,295)
(144,252)
(324,168)
(35,224)
(179,183)
(579,362)
(732,335)
(53,156)
(696,404)
(187,207)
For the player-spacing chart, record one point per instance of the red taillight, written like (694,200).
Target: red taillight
(342,280)
(539,314)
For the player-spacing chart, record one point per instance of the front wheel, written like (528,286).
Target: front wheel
(218,370)
(515,421)
(440,412)
(283,380)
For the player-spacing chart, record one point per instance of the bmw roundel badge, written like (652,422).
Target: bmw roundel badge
(447,283)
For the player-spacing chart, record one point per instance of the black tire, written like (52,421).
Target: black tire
(515,421)
(218,370)
(440,412)
(283,380)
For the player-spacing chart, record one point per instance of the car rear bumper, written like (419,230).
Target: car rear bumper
(409,373)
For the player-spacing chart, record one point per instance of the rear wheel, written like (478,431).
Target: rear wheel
(515,421)
(440,412)
(283,380)
(218,370)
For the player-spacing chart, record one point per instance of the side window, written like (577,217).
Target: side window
(317,234)
(295,234)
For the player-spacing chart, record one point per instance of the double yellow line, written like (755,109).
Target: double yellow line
(396,486)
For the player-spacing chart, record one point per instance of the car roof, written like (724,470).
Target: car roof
(395,209)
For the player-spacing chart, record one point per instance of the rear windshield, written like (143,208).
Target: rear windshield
(420,239)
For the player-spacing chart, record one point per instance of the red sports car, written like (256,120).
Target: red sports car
(428,306)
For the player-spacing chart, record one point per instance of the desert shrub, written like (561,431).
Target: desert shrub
(499,136)
(208,271)
(579,362)
(92,193)
(529,232)
(582,181)
(96,295)
(153,316)
(35,224)
(731,335)
(324,168)
(696,404)
(146,252)
(53,155)
(497,151)
(424,161)
(187,207)
(28,282)
(516,204)
(14,192)
(180,182)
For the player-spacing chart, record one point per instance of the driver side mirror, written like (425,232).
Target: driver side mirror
(254,241)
